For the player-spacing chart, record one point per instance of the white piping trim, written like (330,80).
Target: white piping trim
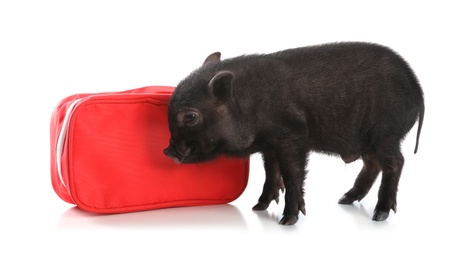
(61,138)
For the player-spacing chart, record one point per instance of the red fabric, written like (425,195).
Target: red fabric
(113,159)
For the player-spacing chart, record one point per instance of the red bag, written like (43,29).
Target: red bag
(107,156)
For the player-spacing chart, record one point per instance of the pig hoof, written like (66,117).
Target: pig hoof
(349,199)
(346,199)
(380,215)
(260,206)
(288,220)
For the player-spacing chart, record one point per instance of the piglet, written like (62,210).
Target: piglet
(350,99)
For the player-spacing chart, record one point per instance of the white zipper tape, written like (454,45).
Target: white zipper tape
(61,138)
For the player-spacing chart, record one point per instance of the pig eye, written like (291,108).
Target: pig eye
(190,118)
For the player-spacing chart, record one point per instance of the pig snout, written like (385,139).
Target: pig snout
(177,153)
(169,151)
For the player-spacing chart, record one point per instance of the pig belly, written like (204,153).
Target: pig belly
(349,149)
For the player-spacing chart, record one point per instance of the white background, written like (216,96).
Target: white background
(52,49)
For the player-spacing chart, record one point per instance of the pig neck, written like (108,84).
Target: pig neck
(255,97)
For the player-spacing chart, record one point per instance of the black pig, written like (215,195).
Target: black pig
(352,99)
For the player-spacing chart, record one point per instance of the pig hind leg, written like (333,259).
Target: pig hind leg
(391,161)
(364,180)
(273,182)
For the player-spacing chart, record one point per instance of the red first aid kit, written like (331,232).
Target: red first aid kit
(107,156)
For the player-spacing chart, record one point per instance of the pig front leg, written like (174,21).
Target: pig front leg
(292,158)
(273,181)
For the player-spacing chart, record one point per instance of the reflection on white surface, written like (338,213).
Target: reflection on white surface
(201,216)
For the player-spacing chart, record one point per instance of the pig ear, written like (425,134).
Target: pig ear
(221,85)
(214,57)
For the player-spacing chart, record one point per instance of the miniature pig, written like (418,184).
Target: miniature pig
(351,99)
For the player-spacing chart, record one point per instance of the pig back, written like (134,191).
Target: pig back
(350,94)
